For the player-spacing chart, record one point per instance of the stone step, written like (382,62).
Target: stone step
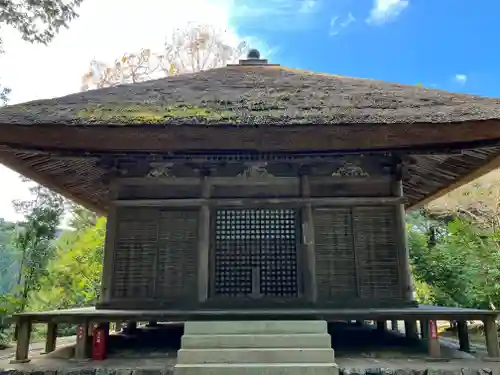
(258,369)
(308,340)
(258,327)
(221,356)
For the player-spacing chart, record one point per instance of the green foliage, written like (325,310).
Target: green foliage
(38,21)
(81,218)
(74,275)
(454,263)
(34,239)
(9,257)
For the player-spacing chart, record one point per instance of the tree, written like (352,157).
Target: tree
(81,218)
(192,49)
(478,201)
(74,276)
(34,239)
(37,21)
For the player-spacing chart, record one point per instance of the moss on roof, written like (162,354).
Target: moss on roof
(255,94)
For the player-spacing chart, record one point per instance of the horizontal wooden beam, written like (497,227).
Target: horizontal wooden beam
(240,181)
(190,181)
(160,139)
(253,202)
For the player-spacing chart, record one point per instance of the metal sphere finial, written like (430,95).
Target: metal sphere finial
(253,54)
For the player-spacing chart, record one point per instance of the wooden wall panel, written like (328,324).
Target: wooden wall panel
(356,254)
(376,242)
(155,255)
(335,258)
(176,276)
(135,253)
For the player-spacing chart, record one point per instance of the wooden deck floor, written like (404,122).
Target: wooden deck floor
(420,312)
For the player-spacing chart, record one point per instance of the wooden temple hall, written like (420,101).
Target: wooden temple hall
(254,191)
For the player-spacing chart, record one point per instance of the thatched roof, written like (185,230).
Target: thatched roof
(257,108)
(258,94)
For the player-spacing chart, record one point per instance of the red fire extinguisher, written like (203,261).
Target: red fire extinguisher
(99,345)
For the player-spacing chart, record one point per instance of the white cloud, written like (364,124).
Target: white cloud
(105,30)
(337,24)
(275,14)
(461,79)
(386,10)
(308,6)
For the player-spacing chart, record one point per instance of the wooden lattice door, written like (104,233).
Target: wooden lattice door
(255,253)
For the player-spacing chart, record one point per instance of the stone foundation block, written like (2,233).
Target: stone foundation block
(261,327)
(313,340)
(283,356)
(258,369)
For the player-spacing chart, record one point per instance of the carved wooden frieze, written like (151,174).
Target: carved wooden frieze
(255,170)
(341,166)
(349,169)
(158,170)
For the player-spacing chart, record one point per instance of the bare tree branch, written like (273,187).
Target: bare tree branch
(192,49)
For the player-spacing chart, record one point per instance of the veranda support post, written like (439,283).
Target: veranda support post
(83,341)
(491,333)
(51,337)
(381,325)
(24,328)
(424,328)
(433,346)
(463,336)
(411,329)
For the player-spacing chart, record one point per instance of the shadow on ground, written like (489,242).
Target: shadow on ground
(347,340)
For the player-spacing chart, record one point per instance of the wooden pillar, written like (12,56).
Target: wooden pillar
(491,333)
(359,322)
(411,329)
(463,336)
(51,337)
(424,329)
(204,245)
(433,345)
(131,327)
(403,254)
(23,341)
(381,325)
(83,341)
(109,246)
(394,325)
(308,233)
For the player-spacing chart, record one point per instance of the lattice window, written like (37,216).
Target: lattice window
(256,252)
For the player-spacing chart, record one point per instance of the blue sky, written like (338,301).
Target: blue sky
(450,45)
